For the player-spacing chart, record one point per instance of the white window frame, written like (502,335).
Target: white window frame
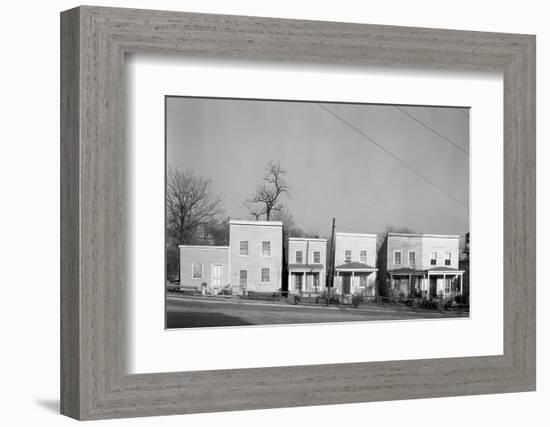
(314,257)
(269,248)
(448,257)
(346,255)
(365,278)
(301,256)
(361,256)
(246,283)
(433,258)
(193,270)
(262,275)
(247,247)
(409,257)
(400,258)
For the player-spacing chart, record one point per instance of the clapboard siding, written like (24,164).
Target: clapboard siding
(356,243)
(256,232)
(308,247)
(207,256)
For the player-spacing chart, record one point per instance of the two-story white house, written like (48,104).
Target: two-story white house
(421,265)
(355,263)
(306,265)
(255,255)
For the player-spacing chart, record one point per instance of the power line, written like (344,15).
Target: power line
(394,156)
(433,130)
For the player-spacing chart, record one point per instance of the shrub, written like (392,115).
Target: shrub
(356,300)
(461,299)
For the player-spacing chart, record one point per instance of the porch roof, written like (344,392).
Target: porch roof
(354,266)
(305,267)
(443,270)
(406,271)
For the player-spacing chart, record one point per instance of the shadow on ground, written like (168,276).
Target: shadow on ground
(197,319)
(51,405)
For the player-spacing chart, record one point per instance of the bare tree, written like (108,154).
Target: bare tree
(190,204)
(290,229)
(266,199)
(192,210)
(394,229)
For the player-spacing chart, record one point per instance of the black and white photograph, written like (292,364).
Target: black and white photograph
(293,212)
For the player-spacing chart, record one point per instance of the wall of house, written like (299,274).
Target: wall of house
(308,247)
(405,244)
(356,243)
(208,256)
(423,246)
(440,245)
(255,232)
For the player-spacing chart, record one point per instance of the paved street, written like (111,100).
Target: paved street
(194,312)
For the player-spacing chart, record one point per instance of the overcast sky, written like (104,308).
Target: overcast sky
(333,170)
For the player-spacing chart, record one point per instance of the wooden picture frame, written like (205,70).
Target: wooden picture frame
(94,41)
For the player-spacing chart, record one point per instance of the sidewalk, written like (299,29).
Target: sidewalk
(217,299)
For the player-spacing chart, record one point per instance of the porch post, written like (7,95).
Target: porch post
(410,284)
(428,286)
(352,281)
(289,281)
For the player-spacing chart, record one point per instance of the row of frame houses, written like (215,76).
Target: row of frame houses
(422,265)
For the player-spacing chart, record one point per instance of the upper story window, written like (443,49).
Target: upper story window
(266,248)
(433,258)
(397,257)
(347,255)
(299,257)
(197,270)
(317,257)
(363,257)
(412,258)
(243,247)
(448,258)
(265,275)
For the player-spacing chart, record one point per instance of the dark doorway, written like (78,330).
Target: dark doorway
(433,287)
(346,284)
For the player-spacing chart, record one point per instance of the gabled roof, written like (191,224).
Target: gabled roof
(354,266)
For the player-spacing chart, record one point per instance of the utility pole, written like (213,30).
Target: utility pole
(331,260)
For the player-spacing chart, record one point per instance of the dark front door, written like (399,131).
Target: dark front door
(433,287)
(299,282)
(346,284)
